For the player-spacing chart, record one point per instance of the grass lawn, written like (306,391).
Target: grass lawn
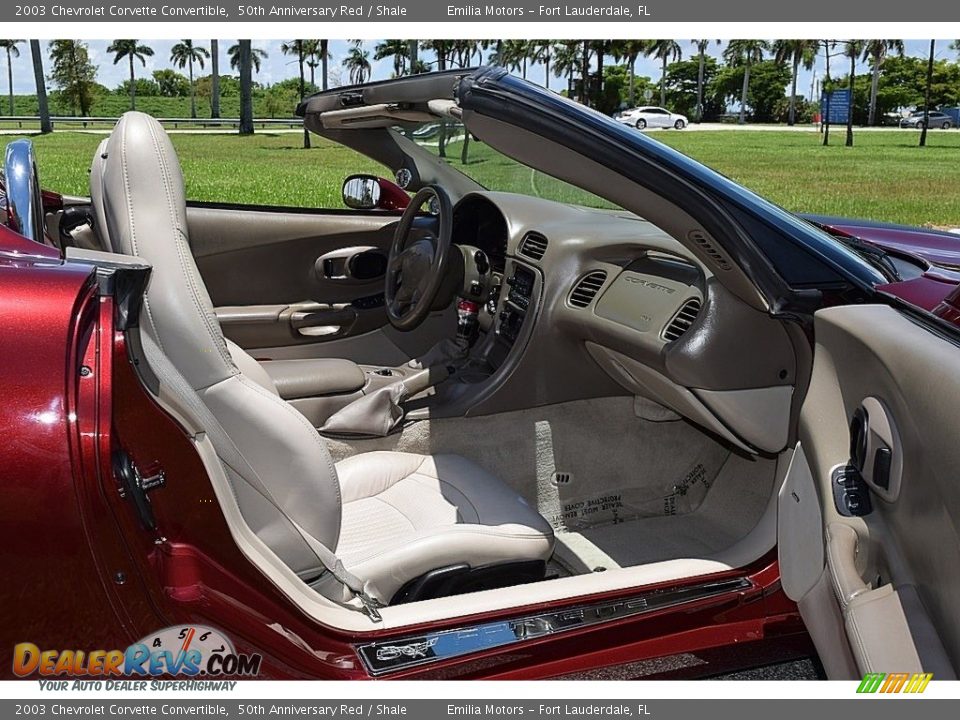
(884,177)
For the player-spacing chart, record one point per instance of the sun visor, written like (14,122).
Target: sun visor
(372,116)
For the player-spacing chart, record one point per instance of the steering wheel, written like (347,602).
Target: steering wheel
(416,267)
(24,201)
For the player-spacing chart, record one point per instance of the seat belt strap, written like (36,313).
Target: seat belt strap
(230,455)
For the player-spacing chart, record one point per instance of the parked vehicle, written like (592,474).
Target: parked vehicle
(482,434)
(650,116)
(935,119)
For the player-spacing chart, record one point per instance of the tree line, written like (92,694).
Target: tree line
(598,73)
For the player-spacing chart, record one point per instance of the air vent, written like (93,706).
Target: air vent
(587,288)
(712,251)
(533,245)
(682,321)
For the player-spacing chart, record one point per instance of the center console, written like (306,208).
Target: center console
(496,354)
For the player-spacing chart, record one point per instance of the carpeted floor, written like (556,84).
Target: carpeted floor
(619,490)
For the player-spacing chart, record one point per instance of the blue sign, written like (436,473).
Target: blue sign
(839,107)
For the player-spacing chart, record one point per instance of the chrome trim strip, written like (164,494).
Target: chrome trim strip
(415,650)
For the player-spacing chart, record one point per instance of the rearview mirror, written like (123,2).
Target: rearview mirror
(368,192)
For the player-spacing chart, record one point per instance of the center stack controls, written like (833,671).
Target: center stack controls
(511,318)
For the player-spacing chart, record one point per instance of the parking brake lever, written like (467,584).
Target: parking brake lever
(380,412)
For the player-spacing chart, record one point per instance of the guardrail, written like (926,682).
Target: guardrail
(86,122)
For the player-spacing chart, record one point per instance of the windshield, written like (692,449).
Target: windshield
(448,141)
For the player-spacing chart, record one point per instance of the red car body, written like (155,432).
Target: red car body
(936,287)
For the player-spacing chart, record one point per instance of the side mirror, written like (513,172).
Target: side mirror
(368,192)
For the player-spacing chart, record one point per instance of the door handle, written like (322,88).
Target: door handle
(316,323)
(359,264)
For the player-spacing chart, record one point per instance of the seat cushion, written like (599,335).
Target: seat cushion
(406,514)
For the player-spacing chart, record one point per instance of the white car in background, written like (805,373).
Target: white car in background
(651,116)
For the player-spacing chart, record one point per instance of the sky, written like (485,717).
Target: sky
(278,66)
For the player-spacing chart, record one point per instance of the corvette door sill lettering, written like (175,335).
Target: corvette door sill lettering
(416,650)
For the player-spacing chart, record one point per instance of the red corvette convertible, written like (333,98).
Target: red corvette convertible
(637,423)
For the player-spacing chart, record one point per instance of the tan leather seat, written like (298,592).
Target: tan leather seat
(390,517)
(291,379)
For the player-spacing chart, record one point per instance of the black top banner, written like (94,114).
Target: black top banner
(446,11)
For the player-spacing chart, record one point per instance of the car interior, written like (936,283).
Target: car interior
(490,400)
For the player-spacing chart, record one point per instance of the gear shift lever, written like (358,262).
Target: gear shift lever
(468,322)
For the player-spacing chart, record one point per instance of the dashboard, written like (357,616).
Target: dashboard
(602,302)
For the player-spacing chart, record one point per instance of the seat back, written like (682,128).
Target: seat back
(138,191)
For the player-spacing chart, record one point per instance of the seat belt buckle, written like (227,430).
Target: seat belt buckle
(371,606)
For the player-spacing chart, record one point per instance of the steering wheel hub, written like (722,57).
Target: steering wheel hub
(418,260)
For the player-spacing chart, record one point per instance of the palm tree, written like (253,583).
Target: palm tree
(797,53)
(515,55)
(324,52)
(701,46)
(665,51)
(12,51)
(541,51)
(442,49)
(132,50)
(566,60)
(357,63)
(185,54)
(413,51)
(464,50)
(214,78)
(875,52)
(395,49)
(630,50)
(41,83)
(298,48)
(852,50)
(745,53)
(245,62)
(256,57)
(828,46)
(926,95)
(312,49)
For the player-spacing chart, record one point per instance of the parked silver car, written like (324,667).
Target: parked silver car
(935,119)
(651,116)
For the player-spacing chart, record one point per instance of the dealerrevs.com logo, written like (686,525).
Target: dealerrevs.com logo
(191,651)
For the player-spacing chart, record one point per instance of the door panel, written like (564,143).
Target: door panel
(883,398)
(251,257)
(291,283)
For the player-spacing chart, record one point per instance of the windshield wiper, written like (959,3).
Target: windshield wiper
(880,259)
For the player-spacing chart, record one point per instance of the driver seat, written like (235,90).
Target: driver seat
(396,521)
(337,381)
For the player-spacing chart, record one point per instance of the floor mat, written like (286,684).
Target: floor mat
(732,507)
(619,490)
(583,463)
